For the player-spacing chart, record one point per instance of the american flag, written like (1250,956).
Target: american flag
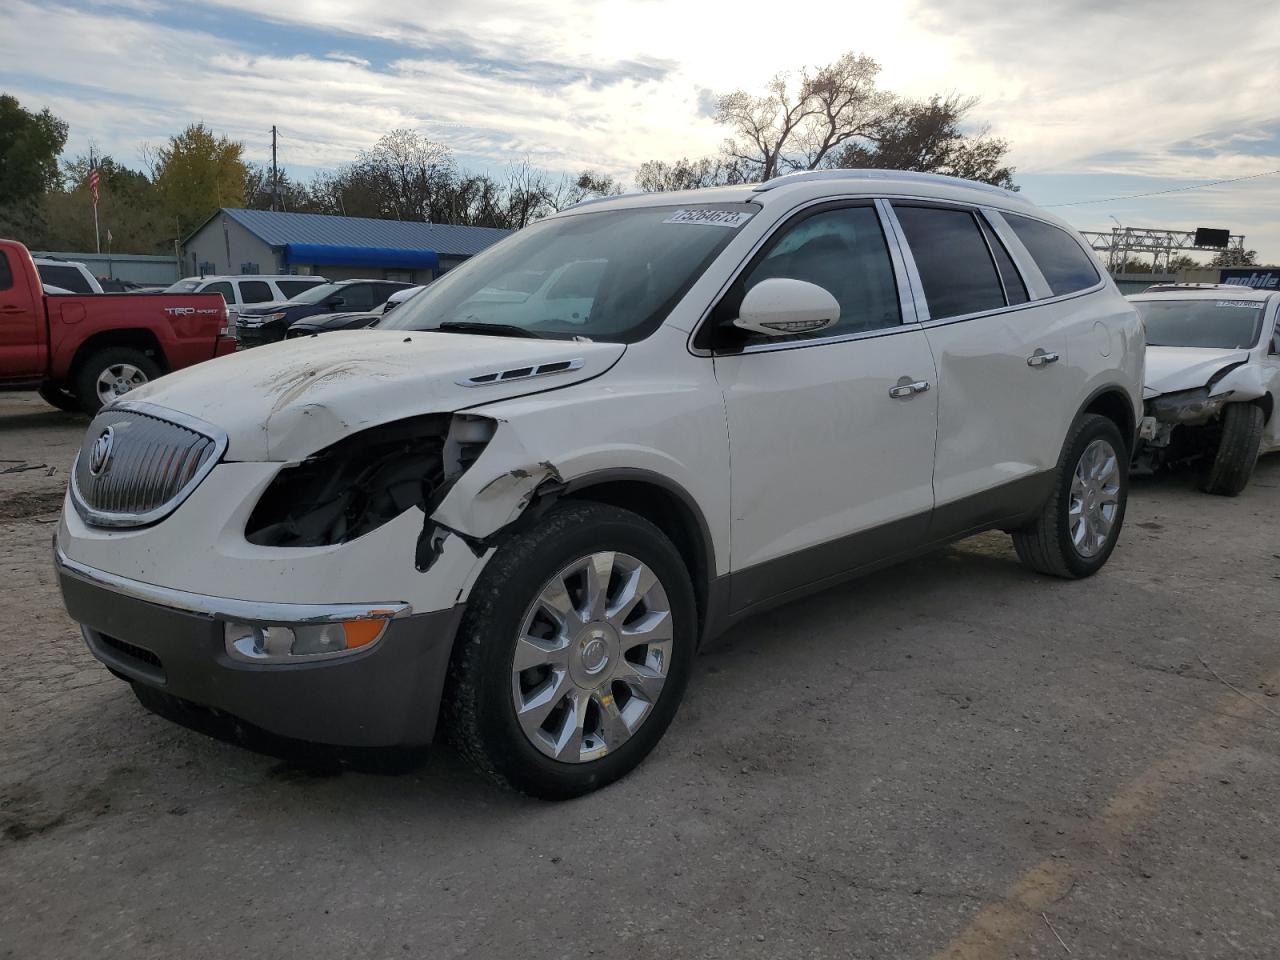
(94,179)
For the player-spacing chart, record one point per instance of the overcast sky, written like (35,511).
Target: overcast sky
(1099,99)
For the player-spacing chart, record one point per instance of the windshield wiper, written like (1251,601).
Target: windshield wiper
(490,329)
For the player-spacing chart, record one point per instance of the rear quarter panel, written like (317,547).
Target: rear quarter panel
(186,326)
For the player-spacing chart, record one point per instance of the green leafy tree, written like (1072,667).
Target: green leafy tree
(1235,258)
(128,210)
(30,144)
(194,174)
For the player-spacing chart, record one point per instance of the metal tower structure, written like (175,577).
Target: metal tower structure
(1119,242)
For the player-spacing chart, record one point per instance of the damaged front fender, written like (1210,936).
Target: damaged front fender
(478,504)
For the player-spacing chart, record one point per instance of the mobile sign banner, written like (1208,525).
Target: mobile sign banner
(1257,278)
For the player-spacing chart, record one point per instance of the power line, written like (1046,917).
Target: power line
(1156,193)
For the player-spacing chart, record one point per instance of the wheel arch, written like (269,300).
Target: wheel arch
(1113,402)
(669,507)
(138,338)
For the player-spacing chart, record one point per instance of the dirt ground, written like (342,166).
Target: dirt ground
(954,758)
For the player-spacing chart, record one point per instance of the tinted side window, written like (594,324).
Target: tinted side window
(68,278)
(844,252)
(951,255)
(255,291)
(6,274)
(223,288)
(1015,291)
(359,296)
(291,288)
(1065,265)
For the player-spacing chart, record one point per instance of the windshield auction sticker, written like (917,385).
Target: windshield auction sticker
(715,218)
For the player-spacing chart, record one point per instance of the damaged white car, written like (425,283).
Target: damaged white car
(519,504)
(1213,373)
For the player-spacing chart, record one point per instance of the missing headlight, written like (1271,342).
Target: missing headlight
(359,483)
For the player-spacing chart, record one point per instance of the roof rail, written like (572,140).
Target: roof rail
(804,176)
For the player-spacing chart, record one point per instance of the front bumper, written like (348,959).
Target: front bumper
(173,642)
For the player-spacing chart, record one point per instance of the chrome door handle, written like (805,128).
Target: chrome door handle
(908,388)
(1041,359)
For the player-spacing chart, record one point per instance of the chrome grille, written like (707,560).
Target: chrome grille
(138,462)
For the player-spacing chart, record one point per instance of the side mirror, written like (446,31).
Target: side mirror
(337,302)
(783,307)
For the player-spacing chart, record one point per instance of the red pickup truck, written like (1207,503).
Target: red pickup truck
(81,351)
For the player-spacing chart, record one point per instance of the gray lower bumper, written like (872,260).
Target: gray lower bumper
(386,696)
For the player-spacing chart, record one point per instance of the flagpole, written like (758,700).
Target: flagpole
(96,238)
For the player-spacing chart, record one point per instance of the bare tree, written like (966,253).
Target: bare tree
(800,119)
(684,174)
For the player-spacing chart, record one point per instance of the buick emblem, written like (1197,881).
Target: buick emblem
(100,455)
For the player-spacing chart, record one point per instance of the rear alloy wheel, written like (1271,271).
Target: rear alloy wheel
(573,653)
(1079,524)
(1237,452)
(110,374)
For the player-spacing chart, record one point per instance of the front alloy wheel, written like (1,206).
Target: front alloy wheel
(573,652)
(592,657)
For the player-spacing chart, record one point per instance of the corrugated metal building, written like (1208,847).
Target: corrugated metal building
(236,241)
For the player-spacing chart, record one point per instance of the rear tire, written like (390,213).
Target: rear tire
(1080,522)
(110,373)
(518,725)
(59,397)
(1237,452)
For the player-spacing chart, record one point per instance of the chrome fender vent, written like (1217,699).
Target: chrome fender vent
(138,462)
(522,373)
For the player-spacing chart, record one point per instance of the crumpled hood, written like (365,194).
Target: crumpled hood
(286,400)
(1185,368)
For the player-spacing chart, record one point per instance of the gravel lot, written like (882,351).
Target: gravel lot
(954,758)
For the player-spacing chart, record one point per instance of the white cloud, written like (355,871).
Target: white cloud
(1161,88)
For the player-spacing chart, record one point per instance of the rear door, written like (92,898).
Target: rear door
(22,334)
(832,459)
(1002,382)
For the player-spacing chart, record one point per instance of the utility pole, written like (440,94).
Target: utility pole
(275,176)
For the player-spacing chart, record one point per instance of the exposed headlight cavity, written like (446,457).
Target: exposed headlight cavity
(359,483)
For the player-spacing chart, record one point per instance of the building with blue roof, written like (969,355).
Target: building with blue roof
(233,241)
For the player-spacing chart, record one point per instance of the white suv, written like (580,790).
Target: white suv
(522,514)
(1213,374)
(248,290)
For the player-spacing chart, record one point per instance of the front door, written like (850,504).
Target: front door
(832,459)
(22,347)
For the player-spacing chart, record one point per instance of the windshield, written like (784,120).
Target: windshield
(183,286)
(1220,324)
(610,275)
(316,294)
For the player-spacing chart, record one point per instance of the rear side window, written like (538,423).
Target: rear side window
(955,266)
(255,291)
(291,288)
(1015,291)
(6,274)
(68,278)
(1064,263)
(360,296)
(223,288)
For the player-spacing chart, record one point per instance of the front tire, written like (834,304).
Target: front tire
(573,654)
(111,373)
(1237,452)
(1080,522)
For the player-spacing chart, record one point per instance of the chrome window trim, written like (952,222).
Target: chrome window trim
(906,309)
(257,612)
(899,253)
(100,518)
(1038,288)
(921,302)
